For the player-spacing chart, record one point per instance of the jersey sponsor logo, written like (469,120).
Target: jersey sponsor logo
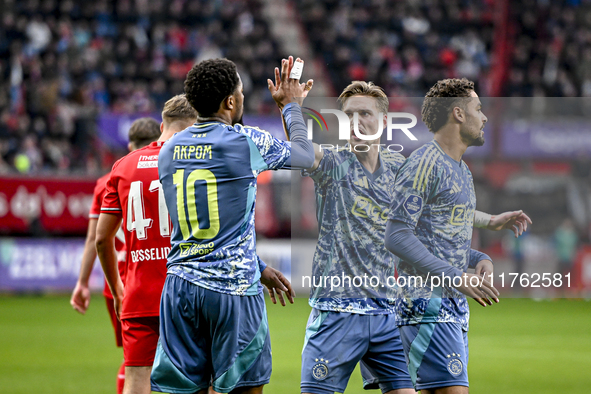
(454,364)
(147,164)
(190,249)
(365,208)
(320,369)
(458,215)
(413,204)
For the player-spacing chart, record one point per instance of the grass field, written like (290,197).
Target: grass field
(518,346)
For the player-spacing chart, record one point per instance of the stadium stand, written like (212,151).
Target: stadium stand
(64,62)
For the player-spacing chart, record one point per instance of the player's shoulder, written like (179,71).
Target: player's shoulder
(253,132)
(148,155)
(103,179)
(392,158)
(427,155)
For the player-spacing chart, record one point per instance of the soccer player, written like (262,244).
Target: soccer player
(430,229)
(135,201)
(349,325)
(213,323)
(141,133)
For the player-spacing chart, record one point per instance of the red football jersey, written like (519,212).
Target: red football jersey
(95,210)
(134,192)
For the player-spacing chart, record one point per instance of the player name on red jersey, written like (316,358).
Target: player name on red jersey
(149,254)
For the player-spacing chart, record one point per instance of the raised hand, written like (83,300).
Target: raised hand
(286,90)
(516,221)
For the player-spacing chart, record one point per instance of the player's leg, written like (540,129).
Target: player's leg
(384,364)
(437,356)
(447,390)
(118,339)
(121,378)
(140,337)
(334,344)
(182,363)
(138,380)
(248,390)
(240,341)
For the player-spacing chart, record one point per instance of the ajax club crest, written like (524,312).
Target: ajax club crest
(454,364)
(320,369)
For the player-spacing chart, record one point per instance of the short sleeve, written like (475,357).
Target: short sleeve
(97,199)
(412,188)
(111,203)
(273,151)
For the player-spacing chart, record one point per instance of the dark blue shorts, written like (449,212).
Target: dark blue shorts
(437,354)
(209,338)
(336,341)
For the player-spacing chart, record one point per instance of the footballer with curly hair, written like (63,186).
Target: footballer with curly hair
(430,229)
(213,321)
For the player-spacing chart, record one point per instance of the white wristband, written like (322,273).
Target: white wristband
(296,70)
(481,219)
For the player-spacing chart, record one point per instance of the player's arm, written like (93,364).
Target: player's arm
(107,227)
(401,240)
(516,221)
(81,295)
(289,95)
(318,152)
(275,282)
(482,264)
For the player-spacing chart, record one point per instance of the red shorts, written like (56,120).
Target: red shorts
(140,337)
(114,321)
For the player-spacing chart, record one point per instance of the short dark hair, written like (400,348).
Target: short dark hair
(362,88)
(208,83)
(178,108)
(143,131)
(435,110)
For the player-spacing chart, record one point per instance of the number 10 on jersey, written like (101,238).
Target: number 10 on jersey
(187,206)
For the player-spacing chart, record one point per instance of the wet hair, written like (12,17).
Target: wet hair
(362,88)
(208,83)
(442,98)
(143,131)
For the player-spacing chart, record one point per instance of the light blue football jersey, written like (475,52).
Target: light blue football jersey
(209,177)
(352,212)
(434,194)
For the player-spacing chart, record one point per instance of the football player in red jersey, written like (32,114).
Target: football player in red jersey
(134,197)
(141,133)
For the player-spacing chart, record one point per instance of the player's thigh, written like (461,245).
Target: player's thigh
(137,380)
(437,355)
(248,390)
(384,364)
(335,342)
(140,337)
(447,390)
(240,344)
(183,361)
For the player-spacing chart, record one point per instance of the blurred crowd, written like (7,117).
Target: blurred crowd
(64,62)
(552,49)
(403,46)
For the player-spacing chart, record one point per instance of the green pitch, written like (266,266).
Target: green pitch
(518,346)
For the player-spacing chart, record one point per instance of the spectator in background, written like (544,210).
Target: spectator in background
(64,62)
(565,243)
